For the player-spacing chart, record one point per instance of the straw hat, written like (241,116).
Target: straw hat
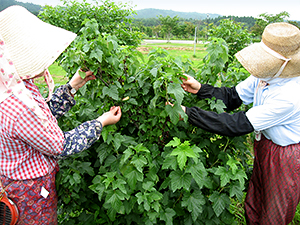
(277,55)
(33,44)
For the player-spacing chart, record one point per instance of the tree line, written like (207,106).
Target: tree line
(168,27)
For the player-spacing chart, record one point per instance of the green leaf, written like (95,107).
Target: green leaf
(220,201)
(140,197)
(148,186)
(118,139)
(86,47)
(97,54)
(198,172)
(170,162)
(154,72)
(113,43)
(167,216)
(119,183)
(218,105)
(182,152)
(110,177)
(83,89)
(194,202)
(233,164)
(111,91)
(132,101)
(236,190)
(85,167)
(177,91)
(114,200)
(224,174)
(97,186)
(174,143)
(133,177)
(82,74)
(173,113)
(141,148)
(77,178)
(241,176)
(156,206)
(126,154)
(139,162)
(180,180)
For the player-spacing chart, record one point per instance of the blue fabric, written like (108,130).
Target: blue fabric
(81,137)
(276,113)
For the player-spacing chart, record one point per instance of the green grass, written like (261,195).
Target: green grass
(186,51)
(58,74)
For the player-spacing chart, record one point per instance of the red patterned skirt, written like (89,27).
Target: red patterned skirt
(274,188)
(33,207)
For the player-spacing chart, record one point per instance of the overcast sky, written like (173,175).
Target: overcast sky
(222,7)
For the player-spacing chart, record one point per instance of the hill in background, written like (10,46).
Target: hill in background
(141,14)
(153,13)
(29,6)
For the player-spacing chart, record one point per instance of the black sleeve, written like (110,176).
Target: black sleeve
(225,124)
(228,95)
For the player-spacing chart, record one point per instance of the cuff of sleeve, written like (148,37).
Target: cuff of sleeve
(67,92)
(187,111)
(203,90)
(98,127)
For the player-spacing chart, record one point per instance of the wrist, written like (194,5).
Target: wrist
(199,87)
(101,120)
(71,89)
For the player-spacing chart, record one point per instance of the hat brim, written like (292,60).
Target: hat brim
(262,64)
(33,44)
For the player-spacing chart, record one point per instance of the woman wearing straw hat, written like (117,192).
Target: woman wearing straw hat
(274,90)
(30,139)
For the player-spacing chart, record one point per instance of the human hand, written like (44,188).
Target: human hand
(111,117)
(77,82)
(190,84)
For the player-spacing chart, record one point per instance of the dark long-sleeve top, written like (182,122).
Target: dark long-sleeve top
(225,124)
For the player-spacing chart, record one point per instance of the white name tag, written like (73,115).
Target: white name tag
(44,192)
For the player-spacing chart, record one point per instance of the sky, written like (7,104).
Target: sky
(223,7)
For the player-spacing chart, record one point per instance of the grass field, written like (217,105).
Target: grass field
(186,51)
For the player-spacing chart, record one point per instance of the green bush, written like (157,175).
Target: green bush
(150,168)
(113,18)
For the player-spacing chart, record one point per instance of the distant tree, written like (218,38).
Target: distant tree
(168,25)
(246,21)
(234,34)
(179,31)
(265,19)
(156,30)
(189,29)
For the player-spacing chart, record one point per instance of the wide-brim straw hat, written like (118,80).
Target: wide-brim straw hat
(260,60)
(33,44)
